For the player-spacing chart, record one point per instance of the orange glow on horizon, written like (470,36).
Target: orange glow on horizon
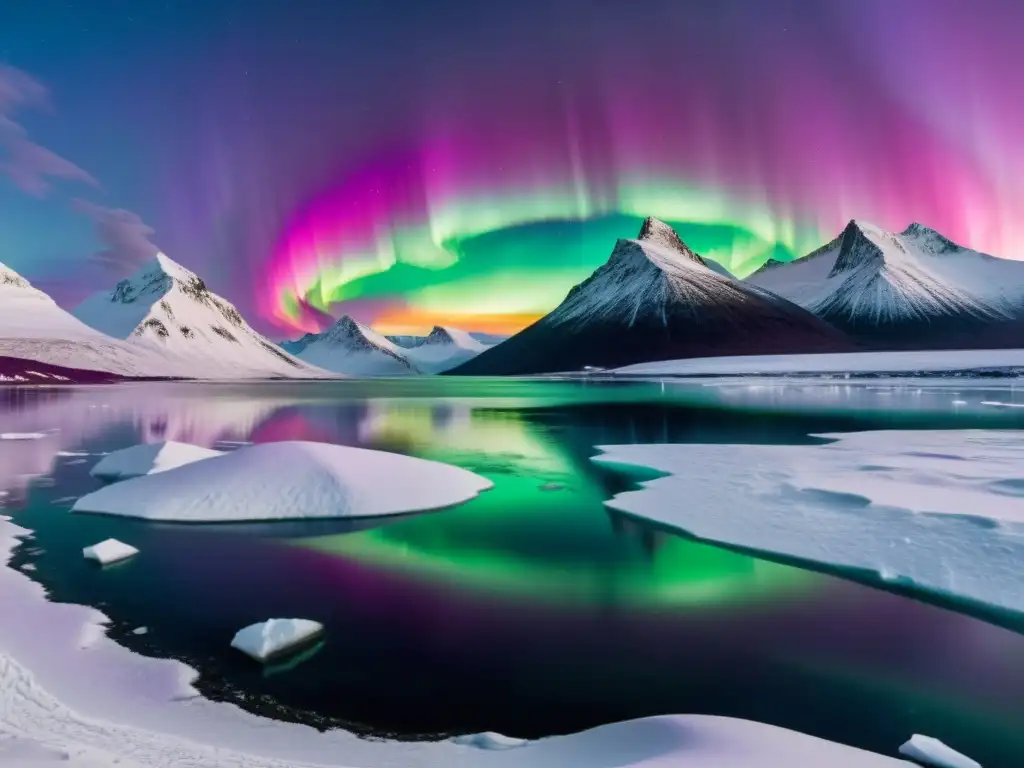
(412,321)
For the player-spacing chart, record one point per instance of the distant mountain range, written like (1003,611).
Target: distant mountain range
(912,290)
(354,349)
(656,299)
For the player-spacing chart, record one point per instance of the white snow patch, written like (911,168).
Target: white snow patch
(275,637)
(941,510)
(148,459)
(925,749)
(289,480)
(23,435)
(109,551)
(842,362)
(489,740)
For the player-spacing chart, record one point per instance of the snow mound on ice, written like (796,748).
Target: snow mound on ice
(289,480)
(109,551)
(489,740)
(942,511)
(148,459)
(925,749)
(275,637)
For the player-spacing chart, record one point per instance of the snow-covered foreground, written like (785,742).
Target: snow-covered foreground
(70,696)
(288,480)
(942,511)
(847,362)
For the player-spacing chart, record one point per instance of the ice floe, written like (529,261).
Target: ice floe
(925,749)
(940,511)
(289,480)
(148,459)
(275,637)
(109,551)
(23,435)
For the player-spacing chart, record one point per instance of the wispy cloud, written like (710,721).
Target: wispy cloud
(28,164)
(124,235)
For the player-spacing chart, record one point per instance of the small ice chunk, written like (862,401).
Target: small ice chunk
(148,459)
(22,435)
(140,631)
(925,749)
(959,402)
(109,551)
(275,637)
(489,740)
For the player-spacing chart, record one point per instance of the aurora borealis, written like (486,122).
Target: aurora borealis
(466,163)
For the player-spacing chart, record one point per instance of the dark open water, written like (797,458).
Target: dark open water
(531,610)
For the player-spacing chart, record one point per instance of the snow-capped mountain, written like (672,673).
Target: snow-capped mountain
(34,328)
(915,289)
(352,348)
(655,299)
(657,232)
(356,349)
(443,349)
(166,309)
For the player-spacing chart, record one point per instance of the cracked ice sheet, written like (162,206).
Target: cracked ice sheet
(942,511)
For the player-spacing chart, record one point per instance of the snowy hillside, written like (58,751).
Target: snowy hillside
(656,299)
(168,310)
(33,327)
(354,349)
(912,288)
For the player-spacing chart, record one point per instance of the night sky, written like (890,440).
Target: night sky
(466,162)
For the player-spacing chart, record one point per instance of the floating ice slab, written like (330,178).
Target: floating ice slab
(940,511)
(109,551)
(275,638)
(925,749)
(148,459)
(22,435)
(288,480)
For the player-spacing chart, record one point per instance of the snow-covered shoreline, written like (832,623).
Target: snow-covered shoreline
(937,361)
(69,695)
